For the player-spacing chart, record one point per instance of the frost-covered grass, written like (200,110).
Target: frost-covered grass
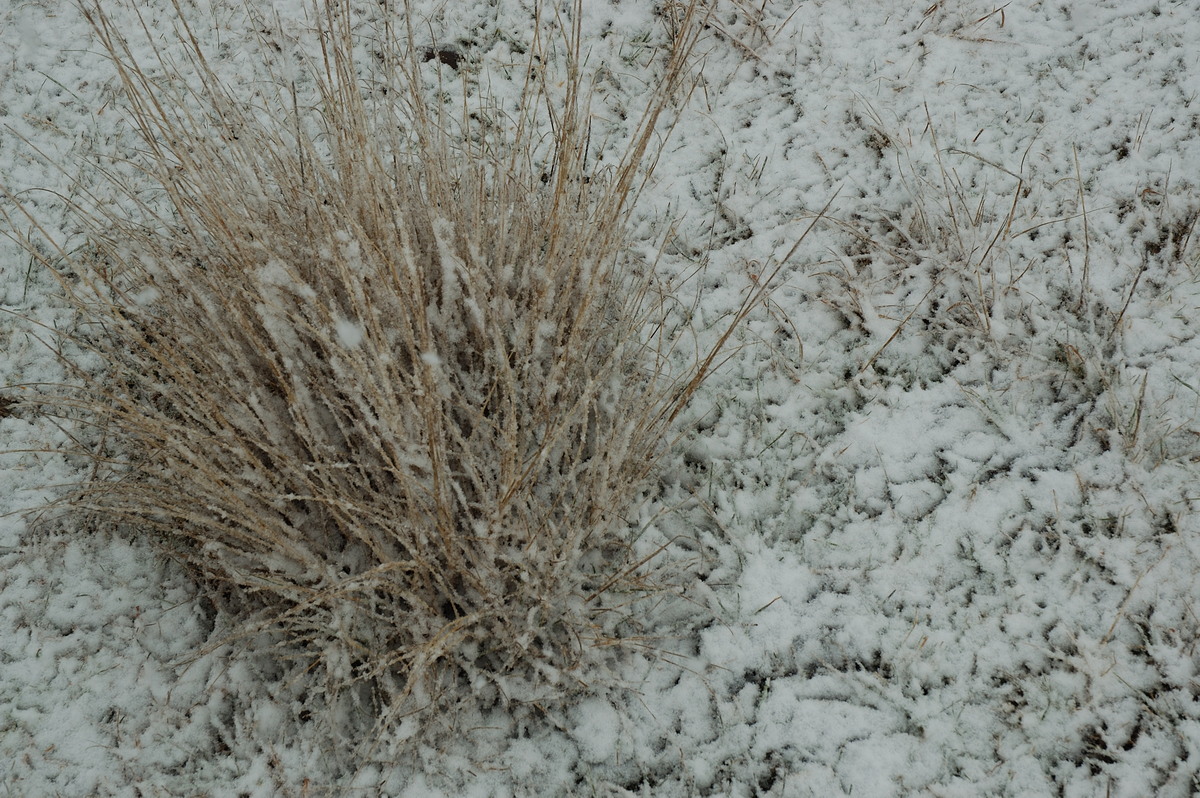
(382,372)
(941,498)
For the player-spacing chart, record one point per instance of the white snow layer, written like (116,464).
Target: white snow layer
(947,482)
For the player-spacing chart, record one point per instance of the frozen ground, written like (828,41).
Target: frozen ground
(947,487)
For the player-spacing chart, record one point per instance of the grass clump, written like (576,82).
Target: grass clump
(385,375)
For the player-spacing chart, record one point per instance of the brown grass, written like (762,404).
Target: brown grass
(386,380)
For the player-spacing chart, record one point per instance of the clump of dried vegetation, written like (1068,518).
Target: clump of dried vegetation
(385,376)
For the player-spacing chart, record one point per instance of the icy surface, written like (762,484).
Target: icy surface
(946,482)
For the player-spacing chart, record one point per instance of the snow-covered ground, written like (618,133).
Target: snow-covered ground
(946,486)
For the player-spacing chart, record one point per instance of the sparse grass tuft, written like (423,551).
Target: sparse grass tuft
(386,377)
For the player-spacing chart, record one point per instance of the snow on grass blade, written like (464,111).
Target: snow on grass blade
(379,374)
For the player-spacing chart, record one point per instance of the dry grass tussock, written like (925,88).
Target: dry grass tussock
(385,377)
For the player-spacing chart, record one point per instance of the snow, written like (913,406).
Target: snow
(349,333)
(944,490)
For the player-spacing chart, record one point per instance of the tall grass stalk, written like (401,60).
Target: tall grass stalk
(386,380)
